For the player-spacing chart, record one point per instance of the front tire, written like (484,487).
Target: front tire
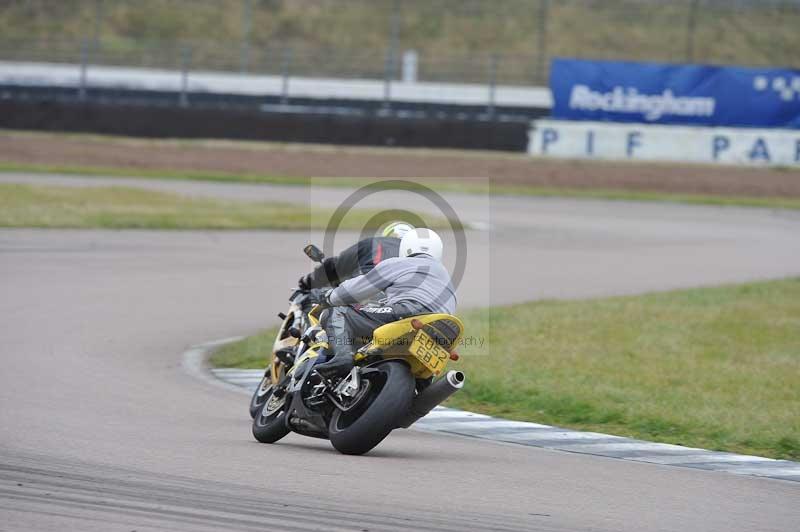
(260,394)
(358,431)
(269,424)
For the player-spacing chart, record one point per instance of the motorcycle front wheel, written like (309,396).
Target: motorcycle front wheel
(260,394)
(359,430)
(269,424)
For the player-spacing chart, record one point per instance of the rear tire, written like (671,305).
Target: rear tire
(360,430)
(269,424)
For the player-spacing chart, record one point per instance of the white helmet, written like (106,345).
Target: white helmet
(421,240)
(396,229)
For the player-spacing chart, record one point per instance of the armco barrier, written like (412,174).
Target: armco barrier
(188,122)
(642,142)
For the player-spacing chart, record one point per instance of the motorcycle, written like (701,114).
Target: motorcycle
(391,385)
(293,322)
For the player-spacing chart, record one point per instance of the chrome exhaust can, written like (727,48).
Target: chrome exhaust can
(434,395)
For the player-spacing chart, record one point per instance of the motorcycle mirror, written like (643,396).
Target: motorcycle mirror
(314,253)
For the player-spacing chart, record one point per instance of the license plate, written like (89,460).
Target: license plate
(429,352)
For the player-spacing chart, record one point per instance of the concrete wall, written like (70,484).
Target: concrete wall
(641,142)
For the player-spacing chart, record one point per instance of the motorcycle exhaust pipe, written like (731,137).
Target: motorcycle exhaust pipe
(433,395)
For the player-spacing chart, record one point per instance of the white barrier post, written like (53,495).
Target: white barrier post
(84,69)
(186,57)
(391,53)
(492,84)
(286,72)
(410,60)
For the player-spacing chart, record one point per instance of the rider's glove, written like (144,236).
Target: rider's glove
(305,282)
(325,299)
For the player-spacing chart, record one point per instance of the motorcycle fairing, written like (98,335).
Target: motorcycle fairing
(393,340)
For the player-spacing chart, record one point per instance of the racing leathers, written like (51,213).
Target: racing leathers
(412,285)
(356,260)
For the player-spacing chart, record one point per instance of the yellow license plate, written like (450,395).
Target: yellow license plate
(429,352)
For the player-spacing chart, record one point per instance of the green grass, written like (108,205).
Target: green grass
(661,197)
(250,352)
(132,208)
(715,368)
(470,188)
(185,175)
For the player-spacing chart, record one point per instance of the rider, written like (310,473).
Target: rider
(415,283)
(358,259)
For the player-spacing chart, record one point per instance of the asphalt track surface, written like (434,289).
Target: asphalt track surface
(101,428)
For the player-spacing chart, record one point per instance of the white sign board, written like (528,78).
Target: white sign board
(642,142)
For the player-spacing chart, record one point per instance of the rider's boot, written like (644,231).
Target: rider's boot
(339,366)
(340,340)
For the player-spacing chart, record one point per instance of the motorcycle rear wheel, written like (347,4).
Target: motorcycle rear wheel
(359,430)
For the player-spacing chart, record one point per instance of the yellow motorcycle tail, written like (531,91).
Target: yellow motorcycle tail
(426,342)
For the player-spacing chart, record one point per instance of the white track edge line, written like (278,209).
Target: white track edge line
(450,420)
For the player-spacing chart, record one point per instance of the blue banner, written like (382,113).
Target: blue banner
(619,91)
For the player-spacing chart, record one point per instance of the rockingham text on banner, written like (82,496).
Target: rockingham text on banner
(622,91)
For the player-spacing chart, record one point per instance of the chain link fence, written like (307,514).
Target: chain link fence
(507,42)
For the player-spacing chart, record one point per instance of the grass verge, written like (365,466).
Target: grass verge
(472,188)
(250,352)
(132,208)
(717,368)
